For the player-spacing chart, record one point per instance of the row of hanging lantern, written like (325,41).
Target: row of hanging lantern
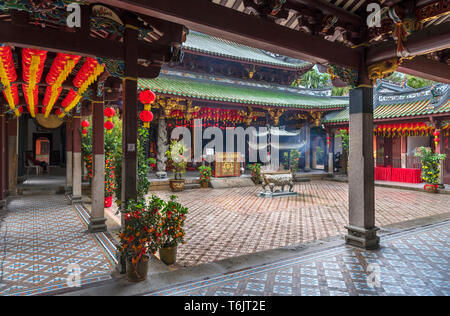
(87,75)
(61,68)
(7,76)
(405,129)
(147,97)
(33,61)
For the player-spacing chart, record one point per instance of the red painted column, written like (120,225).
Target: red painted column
(76,149)
(3,153)
(97,220)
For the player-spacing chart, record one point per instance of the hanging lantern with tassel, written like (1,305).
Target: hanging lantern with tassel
(109,113)
(147,97)
(85,124)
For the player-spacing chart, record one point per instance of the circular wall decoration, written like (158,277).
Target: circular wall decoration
(52,122)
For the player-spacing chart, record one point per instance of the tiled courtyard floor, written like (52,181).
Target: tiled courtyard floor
(40,236)
(225,223)
(409,263)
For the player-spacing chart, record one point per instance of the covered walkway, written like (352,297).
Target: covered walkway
(40,236)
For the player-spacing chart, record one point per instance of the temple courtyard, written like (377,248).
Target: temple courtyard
(226,223)
(42,235)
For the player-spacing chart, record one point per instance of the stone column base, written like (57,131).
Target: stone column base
(69,190)
(3,206)
(76,199)
(97,225)
(362,237)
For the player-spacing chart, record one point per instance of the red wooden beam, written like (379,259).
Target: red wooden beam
(207,17)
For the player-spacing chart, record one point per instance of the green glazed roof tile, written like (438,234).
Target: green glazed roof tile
(394,110)
(202,43)
(236,93)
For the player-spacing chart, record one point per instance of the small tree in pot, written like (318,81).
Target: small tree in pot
(137,240)
(178,160)
(430,168)
(170,229)
(255,171)
(205,176)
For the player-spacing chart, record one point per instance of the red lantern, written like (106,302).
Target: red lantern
(146,117)
(85,124)
(147,97)
(109,126)
(110,112)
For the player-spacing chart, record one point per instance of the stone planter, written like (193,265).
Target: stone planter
(204,185)
(431,188)
(177,185)
(108,201)
(168,255)
(137,272)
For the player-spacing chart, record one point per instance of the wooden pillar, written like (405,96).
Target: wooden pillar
(3,153)
(361,228)
(12,156)
(130,114)
(76,159)
(69,157)
(97,220)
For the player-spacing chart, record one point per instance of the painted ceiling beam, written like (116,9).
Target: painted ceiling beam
(425,68)
(207,17)
(428,40)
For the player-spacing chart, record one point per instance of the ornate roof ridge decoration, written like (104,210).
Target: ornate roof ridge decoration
(237,51)
(276,87)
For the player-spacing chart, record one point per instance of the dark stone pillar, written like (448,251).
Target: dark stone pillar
(130,114)
(69,157)
(308,147)
(76,160)
(361,228)
(97,220)
(12,156)
(3,154)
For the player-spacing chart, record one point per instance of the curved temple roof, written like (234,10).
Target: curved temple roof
(239,94)
(202,43)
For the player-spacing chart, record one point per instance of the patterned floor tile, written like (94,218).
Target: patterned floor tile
(317,274)
(43,236)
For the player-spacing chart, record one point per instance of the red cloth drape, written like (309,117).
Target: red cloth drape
(397,174)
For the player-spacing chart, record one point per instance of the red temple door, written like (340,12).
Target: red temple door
(397,152)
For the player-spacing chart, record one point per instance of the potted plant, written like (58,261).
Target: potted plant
(109,180)
(137,241)
(255,171)
(178,161)
(205,176)
(171,232)
(430,168)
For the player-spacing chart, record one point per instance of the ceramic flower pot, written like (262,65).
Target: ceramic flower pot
(204,185)
(137,272)
(108,201)
(431,188)
(177,185)
(168,255)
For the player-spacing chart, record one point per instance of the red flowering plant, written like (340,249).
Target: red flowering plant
(110,184)
(171,222)
(255,171)
(137,241)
